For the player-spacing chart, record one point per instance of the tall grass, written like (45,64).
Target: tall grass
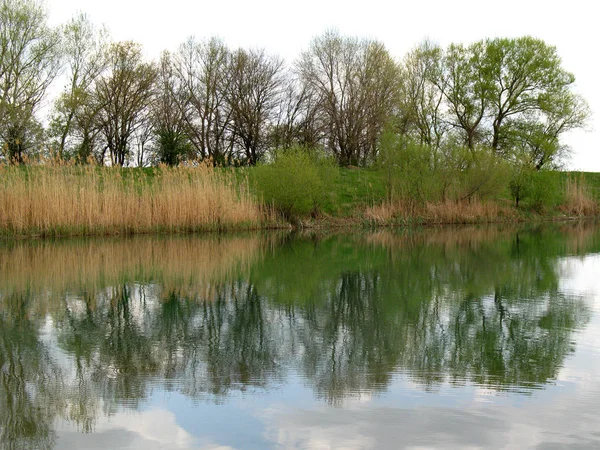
(578,199)
(70,200)
(442,212)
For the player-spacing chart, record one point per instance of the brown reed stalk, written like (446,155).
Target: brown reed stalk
(75,200)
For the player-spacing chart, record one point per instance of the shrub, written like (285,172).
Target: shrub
(539,190)
(297,181)
(472,174)
(546,192)
(417,174)
(408,168)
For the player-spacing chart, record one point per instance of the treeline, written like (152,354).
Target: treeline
(207,102)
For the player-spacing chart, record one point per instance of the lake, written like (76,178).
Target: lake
(430,338)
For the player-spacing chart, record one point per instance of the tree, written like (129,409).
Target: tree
(296,117)
(123,94)
(29,62)
(422,84)
(537,137)
(526,77)
(355,82)
(256,83)
(202,83)
(172,144)
(84,49)
(466,89)
(513,96)
(531,103)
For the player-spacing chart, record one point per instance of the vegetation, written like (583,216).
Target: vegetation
(465,133)
(300,187)
(70,200)
(205,101)
(297,182)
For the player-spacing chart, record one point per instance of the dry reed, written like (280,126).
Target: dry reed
(578,200)
(70,200)
(447,212)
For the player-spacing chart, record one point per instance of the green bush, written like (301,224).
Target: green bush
(417,174)
(546,192)
(538,190)
(408,169)
(480,174)
(297,181)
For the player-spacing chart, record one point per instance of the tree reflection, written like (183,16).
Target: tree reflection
(346,313)
(31,387)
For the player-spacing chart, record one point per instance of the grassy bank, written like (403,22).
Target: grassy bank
(361,196)
(69,200)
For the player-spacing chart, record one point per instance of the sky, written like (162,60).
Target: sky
(286,29)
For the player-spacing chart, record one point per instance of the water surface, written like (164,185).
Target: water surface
(447,338)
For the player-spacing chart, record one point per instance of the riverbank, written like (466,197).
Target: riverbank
(44,201)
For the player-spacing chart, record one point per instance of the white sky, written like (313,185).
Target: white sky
(286,28)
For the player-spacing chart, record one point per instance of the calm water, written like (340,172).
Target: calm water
(447,338)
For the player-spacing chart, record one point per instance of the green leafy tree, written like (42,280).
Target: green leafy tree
(421,99)
(84,48)
(466,89)
(527,80)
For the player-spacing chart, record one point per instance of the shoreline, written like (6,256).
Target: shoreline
(68,201)
(317,224)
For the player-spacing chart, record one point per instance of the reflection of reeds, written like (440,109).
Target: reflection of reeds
(461,237)
(579,237)
(59,200)
(186,265)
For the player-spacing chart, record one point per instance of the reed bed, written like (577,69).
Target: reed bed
(71,200)
(578,199)
(447,212)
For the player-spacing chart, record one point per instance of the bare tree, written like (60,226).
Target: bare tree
(171,141)
(256,84)
(201,70)
(124,94)
(296,113)
(143,139)
(355,82)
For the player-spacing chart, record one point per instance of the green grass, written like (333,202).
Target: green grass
(354,189)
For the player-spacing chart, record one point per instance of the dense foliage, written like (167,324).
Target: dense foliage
(297,182)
